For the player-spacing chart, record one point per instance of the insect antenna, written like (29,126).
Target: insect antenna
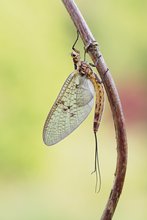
(73,47)
(97,167)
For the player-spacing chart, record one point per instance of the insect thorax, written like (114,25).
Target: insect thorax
(81,66)
(85,69)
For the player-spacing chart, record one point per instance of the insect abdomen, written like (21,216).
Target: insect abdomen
(99,103)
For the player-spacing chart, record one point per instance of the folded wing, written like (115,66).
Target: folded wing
(70,109)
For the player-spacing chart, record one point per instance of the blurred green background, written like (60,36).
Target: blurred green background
(41,183)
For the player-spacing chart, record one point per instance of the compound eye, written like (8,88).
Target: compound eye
(73,55)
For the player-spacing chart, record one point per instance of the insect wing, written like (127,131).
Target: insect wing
(71,107)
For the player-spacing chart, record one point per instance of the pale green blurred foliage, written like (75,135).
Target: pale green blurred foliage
(40,183)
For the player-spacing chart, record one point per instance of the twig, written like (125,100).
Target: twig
(114,101)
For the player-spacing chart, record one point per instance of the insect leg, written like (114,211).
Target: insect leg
(92,44)
(73,47)
(88,46)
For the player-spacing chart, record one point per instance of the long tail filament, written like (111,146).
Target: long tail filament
(97,167)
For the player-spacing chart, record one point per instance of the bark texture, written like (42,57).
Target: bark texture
(114,100)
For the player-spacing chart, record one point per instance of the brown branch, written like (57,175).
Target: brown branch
(115,104)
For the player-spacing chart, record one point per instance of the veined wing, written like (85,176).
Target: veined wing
(71,107)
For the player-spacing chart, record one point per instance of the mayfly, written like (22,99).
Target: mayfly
(74,103)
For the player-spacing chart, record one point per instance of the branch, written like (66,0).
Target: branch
(115,104)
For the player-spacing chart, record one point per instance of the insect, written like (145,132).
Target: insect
(74,103)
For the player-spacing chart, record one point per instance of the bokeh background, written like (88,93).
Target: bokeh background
(41,183)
